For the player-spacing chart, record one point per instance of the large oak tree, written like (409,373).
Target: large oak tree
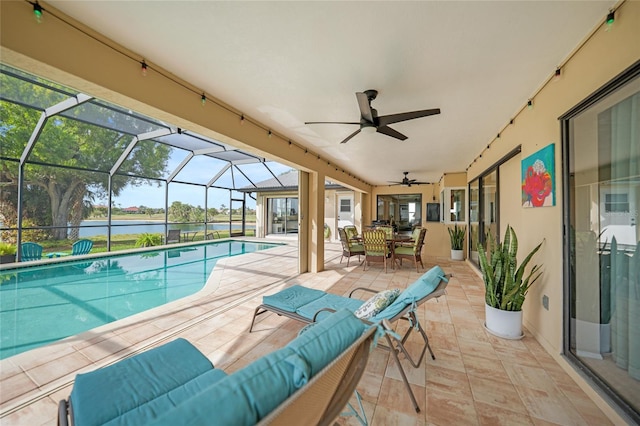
(67,140)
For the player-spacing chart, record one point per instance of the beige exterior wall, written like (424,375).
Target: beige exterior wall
(436,242)
(600,59)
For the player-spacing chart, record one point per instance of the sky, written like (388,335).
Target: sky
(199,170)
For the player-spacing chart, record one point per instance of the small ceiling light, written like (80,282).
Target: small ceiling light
(557,74)
(203,99)
(611,17)
(369,129)
(37,11)
(242,119)
(143,68)
(530,104)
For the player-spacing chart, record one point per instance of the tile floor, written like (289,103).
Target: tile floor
(476,379)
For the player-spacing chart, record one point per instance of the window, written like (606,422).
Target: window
(404,211)
(454,205)
(345,205)
(616,203)
(601,155)
(282,216)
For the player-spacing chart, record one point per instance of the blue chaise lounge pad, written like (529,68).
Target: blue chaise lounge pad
(290,299)
(330,301)
(99,396)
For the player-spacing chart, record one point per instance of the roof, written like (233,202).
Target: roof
(287,181)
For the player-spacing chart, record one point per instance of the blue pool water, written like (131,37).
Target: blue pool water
(42,304)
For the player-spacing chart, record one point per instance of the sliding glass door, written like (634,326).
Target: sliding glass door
(602,256)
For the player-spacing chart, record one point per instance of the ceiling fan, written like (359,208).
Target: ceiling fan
(371,123)
(407,182)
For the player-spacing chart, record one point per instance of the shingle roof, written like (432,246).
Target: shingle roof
(283,182)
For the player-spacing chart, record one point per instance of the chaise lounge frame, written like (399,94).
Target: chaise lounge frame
(407,314)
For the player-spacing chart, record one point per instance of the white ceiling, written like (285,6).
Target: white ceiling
(284,63)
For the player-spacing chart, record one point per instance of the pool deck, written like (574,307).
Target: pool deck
(476,379)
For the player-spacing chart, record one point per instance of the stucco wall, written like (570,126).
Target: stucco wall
(600,59)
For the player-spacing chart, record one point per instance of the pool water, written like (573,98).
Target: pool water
(42,304)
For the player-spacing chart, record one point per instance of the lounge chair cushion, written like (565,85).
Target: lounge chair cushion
(149,411)
(249,394)
(104,394)
(420,288)
(376,304)
(330,301)
(290,299)
(326,339)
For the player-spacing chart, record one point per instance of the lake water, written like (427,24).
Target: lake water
(91,228)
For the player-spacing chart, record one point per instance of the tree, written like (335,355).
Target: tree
(85,151)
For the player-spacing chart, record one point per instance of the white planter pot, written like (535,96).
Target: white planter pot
(457,254)
(505,324)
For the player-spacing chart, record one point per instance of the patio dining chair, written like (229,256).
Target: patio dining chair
(173,236)
(351,231)
(349,246)
(412,250)
(376,247)
(31,251)
(82,246)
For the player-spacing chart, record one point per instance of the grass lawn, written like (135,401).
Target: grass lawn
(118,242)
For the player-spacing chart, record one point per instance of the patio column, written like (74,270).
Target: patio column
(311,236)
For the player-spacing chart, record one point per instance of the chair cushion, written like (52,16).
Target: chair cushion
(244,397)
(376,304)
(404,250)
(328,300)
(322,343)
(248,395)
(104,394)
(420,288)
(165,402)
(290,299)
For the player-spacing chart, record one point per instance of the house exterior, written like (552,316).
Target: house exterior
(277,206)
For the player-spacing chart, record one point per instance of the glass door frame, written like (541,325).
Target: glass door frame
(566,123)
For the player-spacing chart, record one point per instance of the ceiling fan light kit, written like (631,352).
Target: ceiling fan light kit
(371,123)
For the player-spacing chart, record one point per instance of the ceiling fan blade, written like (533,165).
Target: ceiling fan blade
(350,136)
(365,106)
(404,116)
(329,122)
(386,130)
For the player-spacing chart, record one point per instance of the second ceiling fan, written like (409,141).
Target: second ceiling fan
(407,182)
(369,120)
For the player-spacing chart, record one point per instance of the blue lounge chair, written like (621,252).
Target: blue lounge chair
(309,381)
(31,251)
(83,246)
(308,305)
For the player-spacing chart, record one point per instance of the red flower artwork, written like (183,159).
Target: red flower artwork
(537,184)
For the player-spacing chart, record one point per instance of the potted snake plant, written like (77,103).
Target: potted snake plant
(506,284)
(456,235)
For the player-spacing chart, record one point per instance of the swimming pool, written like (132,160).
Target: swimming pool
(42,304)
